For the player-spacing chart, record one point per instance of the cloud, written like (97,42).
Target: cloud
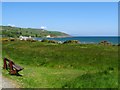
(43,27)
(11,25)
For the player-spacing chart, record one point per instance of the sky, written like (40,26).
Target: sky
(74,18)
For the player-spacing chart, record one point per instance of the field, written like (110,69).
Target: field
(48,65)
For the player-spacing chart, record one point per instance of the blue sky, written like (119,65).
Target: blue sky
(74,18)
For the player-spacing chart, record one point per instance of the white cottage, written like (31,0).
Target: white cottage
(25,38)
(48,36)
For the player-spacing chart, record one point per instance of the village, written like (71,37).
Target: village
(31,38)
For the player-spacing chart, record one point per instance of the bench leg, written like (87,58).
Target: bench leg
(13,72)
(5,64)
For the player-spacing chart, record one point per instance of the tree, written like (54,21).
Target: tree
(26,31)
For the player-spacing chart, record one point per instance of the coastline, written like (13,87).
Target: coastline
(86,39)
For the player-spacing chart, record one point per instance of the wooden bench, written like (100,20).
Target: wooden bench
(12,67)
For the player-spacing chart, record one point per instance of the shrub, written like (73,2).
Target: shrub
(52,41)
(5,39)
(71,41)
(44,40)
(105,43)
(119,44)
(31,40)
(49,41)
(12,39)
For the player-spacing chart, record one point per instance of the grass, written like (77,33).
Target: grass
(63,66)
(39,77)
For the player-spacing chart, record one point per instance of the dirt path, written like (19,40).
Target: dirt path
(0,81)
(7,83)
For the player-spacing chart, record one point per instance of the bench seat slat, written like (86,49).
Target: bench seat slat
(17,67)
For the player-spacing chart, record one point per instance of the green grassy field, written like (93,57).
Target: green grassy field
(48,65)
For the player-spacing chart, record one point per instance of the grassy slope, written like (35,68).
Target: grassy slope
(51,65)
(16,31)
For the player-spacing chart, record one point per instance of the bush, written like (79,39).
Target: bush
(49,41)
(5,39)
(12,39)
(105,43)
(44,40)
(119,44)
(71,41)
(52,41)
(31,40)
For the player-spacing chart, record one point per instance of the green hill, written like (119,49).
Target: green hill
(9,31)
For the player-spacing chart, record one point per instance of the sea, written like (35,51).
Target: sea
(87,39)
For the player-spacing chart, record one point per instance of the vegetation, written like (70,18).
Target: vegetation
(71,41)
(49,41)
(63,65)
(8,31)
(105,43)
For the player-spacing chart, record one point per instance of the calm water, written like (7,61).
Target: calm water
(113,40)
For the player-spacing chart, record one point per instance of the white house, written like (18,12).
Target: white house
(48,36)
(25,38)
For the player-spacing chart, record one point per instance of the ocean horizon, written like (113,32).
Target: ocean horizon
(87,39)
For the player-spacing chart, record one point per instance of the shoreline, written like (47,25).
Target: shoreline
(85,40)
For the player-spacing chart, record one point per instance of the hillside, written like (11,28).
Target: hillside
(9,31)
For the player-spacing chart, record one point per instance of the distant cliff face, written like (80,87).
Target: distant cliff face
(9,31)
